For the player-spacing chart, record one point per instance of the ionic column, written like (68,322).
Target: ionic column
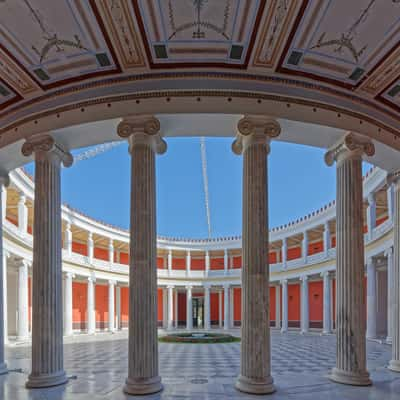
(255,362)
(389,195)
(91,304)
(68,328)
(285,319)
(226,307)
(350,318)
(188,262)
(176,309)
(169,262)
(170,321)
(220,320)
(47,301)
(371,214)
(207,323)
(111,306)
(389,256)
(327,293)
(118,322)
(305,321)
(22,214)
(394,364)
(277,306)
(304,251)
(4,181)
(90,247)
(327,238)
(189,308)
(371,299)
(226,261)
(207,262)
(144,143)
(111,251)
(68,239)
(22,306)
(284,253)
(6,256)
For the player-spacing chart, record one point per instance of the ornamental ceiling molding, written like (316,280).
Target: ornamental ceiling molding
(67,42)
(205,75)
(197,94)
(198,33)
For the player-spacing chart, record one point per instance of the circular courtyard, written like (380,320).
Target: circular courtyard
(300,365)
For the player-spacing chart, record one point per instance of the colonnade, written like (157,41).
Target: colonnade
(252,142)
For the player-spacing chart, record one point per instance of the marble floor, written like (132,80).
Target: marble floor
(300,364)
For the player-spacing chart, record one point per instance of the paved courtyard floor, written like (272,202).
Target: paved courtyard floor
(300,364)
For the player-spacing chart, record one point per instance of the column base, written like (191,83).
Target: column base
(46,380)
(284,330)
(389,339)
(248,385)
(143,386)
(350,378)
(3,369)
(394,365)
(326,332)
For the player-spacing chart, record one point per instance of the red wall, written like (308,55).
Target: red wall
(79,304)
(217,263)
(237,262)
(214,307)
(198,264)
(272,303)
(101,302)
(272,259)
(160,305)
(182,306)
(79,248)
(179,263)
(124,306)
(294,303)
(316,247)
(160,263)
(237,304)
(101,254)
(315,302)
(293,253)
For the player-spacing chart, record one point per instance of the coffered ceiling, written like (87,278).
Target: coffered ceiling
(60,55)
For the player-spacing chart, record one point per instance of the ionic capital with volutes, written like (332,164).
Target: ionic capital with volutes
(46,145)
(255,130)
(349,146)
(142,130)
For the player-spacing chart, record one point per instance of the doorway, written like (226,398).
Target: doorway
(198,312)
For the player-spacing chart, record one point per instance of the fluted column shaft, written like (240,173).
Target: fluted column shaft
(394,364)
(118,323)
(111,306)
(68,329)
(350,317)
(226,307)
(91,306)
(389,255)
(47,301)
(23,321)
(189,308)
(4,181)
(207,322)
(170,321)
(144,142)
(277,306)
(327,293)
(255,359)
(305,322)
(371,299)
(285,310)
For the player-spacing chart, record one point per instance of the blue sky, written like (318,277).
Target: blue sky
(299,182)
